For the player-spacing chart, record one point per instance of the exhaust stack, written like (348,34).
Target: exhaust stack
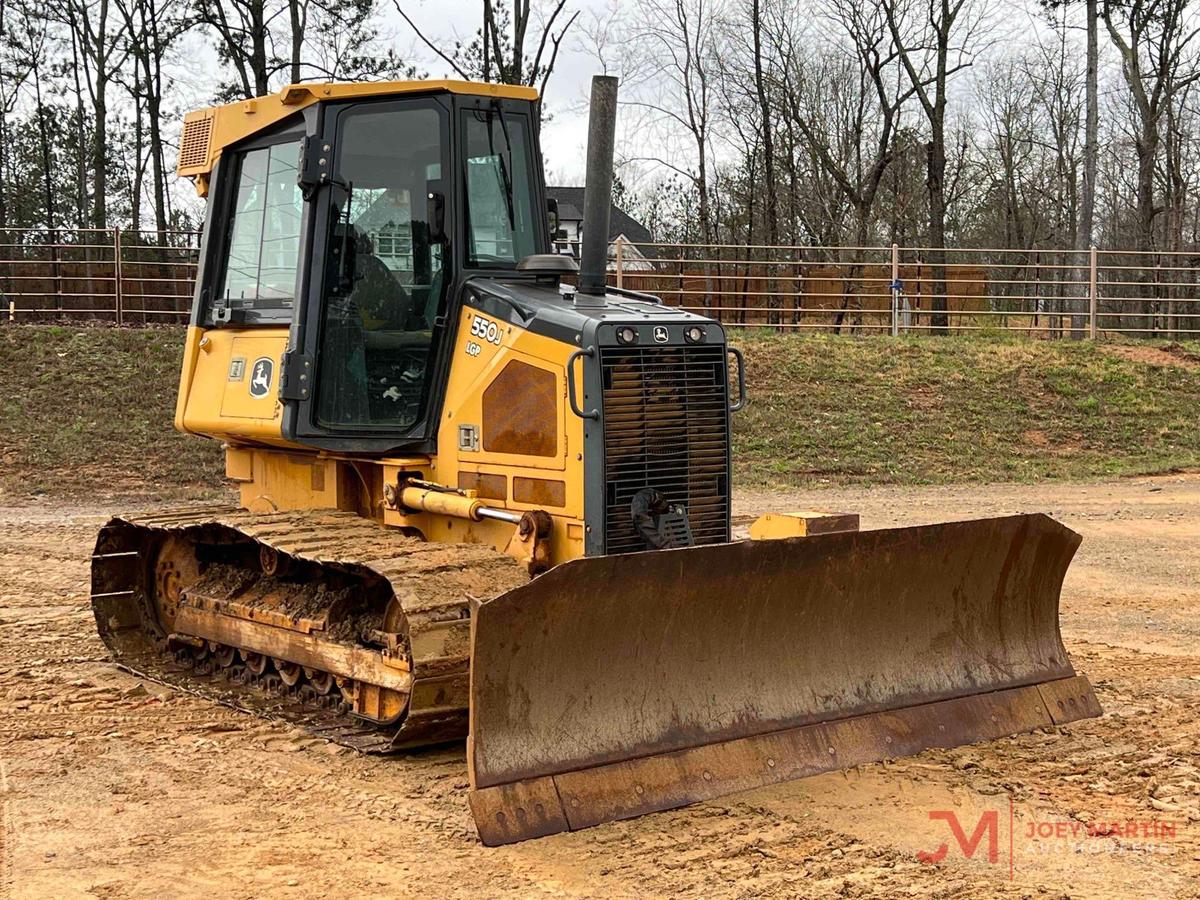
(597,193)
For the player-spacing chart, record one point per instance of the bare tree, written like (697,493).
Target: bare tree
(1085,232)
(27,52)
(871,100)
(600,33)
(1155,41)
(153,27)
(933,42)
(16,65)
(669,68)
(103,50)
(242,28)
(513,46)
(306,39)
(1086,223)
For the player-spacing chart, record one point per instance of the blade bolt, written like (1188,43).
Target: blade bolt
(771,763)
(639,789)
(708,776)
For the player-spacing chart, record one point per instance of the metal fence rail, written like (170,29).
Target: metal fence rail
(111,274)
(1048,293)
(126,276)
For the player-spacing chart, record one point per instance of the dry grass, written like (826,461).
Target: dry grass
(87,413)
(963,409)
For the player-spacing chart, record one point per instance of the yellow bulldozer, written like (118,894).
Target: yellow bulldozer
(485,495)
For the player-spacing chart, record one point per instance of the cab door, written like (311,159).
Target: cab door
(373,325)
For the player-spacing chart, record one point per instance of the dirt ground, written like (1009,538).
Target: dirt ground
(112,787)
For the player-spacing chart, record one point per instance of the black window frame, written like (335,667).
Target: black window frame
(299,423)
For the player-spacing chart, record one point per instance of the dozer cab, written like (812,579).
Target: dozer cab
(485,496)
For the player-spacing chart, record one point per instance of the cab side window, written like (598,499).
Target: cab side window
(263,243)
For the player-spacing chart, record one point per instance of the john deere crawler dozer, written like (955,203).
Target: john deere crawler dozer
(477,502)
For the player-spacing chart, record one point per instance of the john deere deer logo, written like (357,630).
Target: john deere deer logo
(260,377)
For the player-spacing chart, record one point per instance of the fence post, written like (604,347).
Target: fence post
(1092,304)
(117,275)
(620,260)
(895,289)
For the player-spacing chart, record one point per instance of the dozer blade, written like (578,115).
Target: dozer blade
(615,686)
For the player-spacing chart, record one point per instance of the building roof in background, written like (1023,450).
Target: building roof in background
(570,207)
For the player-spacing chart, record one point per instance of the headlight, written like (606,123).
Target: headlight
(627,335)
(693,334)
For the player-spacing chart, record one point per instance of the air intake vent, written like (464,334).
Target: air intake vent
(193,145)
(666,426)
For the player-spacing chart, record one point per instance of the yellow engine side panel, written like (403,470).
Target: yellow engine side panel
(506,432)
(506,385)
(229,386)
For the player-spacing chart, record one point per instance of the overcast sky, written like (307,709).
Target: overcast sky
(564,137)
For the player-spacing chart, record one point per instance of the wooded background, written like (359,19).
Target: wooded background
(820,124)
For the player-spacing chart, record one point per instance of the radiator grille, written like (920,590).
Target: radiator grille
(666,426)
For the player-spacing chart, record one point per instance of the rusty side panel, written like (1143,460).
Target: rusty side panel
(486,486)
(540,491)
(520,412)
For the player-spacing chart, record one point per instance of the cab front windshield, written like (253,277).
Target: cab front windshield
(383,273)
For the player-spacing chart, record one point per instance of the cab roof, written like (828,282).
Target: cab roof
(206,132)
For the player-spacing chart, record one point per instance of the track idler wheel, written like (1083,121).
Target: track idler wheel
(223,654)
(322,682)
(272,562)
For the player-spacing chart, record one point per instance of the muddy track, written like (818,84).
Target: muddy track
(121,788)
(432,584)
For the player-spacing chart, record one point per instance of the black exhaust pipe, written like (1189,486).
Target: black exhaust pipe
(597,192)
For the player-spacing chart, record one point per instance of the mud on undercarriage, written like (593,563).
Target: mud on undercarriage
(358,633)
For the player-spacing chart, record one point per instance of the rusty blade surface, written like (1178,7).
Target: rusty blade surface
(609,659)
(536,807)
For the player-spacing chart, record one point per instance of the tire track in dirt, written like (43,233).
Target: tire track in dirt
(7,835)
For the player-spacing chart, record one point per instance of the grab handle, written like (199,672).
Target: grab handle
(571,395)
(741,378)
